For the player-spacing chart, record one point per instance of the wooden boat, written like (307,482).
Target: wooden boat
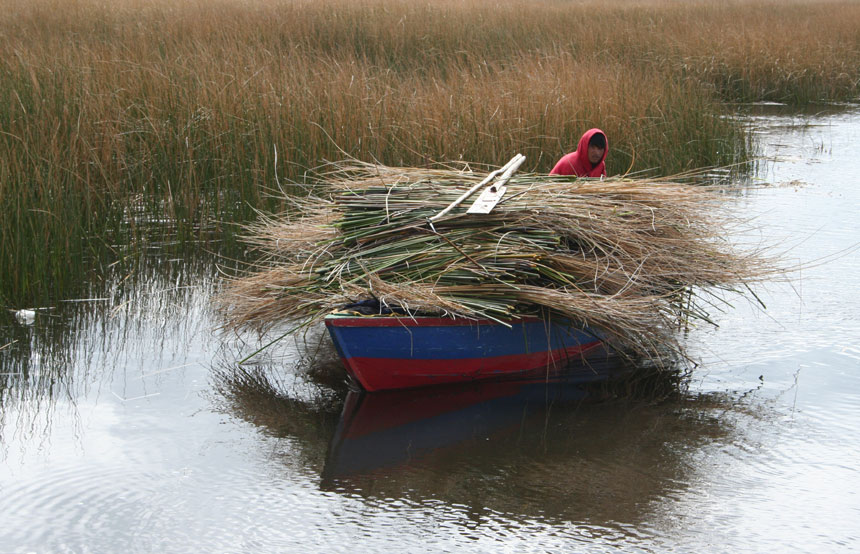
(399,351)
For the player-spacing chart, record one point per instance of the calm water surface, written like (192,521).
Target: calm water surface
(124,425)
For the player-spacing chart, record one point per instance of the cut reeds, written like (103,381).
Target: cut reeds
(636,259)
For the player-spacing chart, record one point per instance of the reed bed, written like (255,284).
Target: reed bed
(192,108)
(634,258)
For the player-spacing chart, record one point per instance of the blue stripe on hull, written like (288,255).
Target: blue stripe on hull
(456,342)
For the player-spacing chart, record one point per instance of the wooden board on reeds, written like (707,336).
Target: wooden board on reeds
(635,258)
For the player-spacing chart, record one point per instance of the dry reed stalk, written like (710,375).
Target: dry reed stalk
(633,258)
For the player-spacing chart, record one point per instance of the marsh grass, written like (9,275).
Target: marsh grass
(182,109)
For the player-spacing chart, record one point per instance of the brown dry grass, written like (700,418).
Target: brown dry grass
(185,103)
(635,258)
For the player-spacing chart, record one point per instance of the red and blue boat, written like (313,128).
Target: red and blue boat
(400,351)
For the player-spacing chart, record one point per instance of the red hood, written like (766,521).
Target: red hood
(582,149)
(576,163)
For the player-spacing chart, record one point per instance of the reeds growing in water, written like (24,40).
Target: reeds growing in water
(187,110)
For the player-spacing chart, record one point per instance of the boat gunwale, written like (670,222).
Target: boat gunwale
(347,320)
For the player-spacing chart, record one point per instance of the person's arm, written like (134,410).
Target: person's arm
(565,165)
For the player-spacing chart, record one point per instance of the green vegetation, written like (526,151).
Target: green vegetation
(117,114)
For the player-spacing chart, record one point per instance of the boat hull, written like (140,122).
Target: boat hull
(396,352)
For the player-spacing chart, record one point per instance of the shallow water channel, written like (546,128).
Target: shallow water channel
(125,426)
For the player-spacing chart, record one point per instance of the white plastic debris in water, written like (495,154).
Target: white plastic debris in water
(25,317)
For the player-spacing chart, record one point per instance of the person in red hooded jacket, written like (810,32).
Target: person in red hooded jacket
(588,160)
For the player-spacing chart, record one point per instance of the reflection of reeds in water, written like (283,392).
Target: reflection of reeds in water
(33,374)
(290,404)
(641,381)
(307,370)
(123,329)
(258,391)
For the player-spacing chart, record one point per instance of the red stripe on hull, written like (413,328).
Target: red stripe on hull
(393,373)
(418,321)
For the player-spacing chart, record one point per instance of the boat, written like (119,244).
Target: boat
(398,351)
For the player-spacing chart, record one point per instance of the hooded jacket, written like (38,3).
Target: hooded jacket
(576,163)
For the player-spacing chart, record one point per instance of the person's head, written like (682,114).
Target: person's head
(596,148)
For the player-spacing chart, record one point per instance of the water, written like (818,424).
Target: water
(125,427)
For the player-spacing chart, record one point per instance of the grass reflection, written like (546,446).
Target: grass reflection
(530,451)
(122,328)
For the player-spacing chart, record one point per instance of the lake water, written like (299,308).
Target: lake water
(125,426)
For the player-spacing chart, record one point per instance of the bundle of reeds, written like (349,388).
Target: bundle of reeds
(634,258)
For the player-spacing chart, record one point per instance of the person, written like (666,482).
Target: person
(588,160)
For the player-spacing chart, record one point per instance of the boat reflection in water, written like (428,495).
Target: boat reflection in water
(389,428)
(545,448)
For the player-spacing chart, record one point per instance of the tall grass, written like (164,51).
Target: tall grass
(181,107)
